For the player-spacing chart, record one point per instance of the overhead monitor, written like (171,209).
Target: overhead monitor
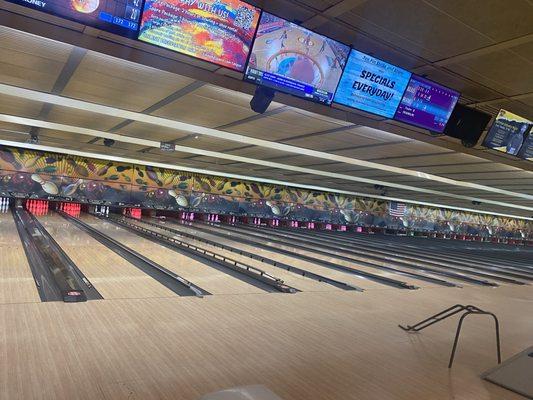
(116,16)
(218,31)
(508,133)
(426,104)
(295,60)
(371,85)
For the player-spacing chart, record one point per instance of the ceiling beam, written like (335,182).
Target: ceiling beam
(74,59)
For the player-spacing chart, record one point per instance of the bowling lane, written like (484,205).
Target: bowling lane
(378,258)
(208,278)
(233,240)
(297,281)
(423,255)
(16,280)
(351,264)
(112,276)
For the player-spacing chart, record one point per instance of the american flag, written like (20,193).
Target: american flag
(397,209)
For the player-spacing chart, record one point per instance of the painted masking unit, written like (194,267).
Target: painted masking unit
(65,177)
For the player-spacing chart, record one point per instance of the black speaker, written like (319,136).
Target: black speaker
(262,98)
(467,124)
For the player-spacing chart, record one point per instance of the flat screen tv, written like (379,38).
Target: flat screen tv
(426,104)
(508,133)
(217,31)
(295,60)
(116,16)
(371,85)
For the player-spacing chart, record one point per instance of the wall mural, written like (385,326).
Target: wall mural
(52,176)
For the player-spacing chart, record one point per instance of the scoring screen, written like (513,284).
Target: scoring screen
(426,104)
(116,16)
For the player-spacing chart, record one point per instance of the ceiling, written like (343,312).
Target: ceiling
(205,110)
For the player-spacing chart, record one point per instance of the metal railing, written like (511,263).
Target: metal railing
(449,312)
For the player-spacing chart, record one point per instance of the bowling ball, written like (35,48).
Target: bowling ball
(94,190)
(161,194)
(22,181)
(85,6)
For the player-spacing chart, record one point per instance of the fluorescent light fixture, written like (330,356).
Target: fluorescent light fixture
(34,95)
(214,154)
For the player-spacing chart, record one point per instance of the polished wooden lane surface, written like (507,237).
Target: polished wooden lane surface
(295,280)
(112,276)
(16,280)
(206,277)
(306,346)
(347,263)
(311,267)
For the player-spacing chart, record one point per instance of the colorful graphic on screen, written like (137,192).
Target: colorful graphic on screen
(508,133)
(371,85)
(116,16)
(426,104)
(218,31)
(294,60)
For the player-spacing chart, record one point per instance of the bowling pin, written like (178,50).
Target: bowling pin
(48,186)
